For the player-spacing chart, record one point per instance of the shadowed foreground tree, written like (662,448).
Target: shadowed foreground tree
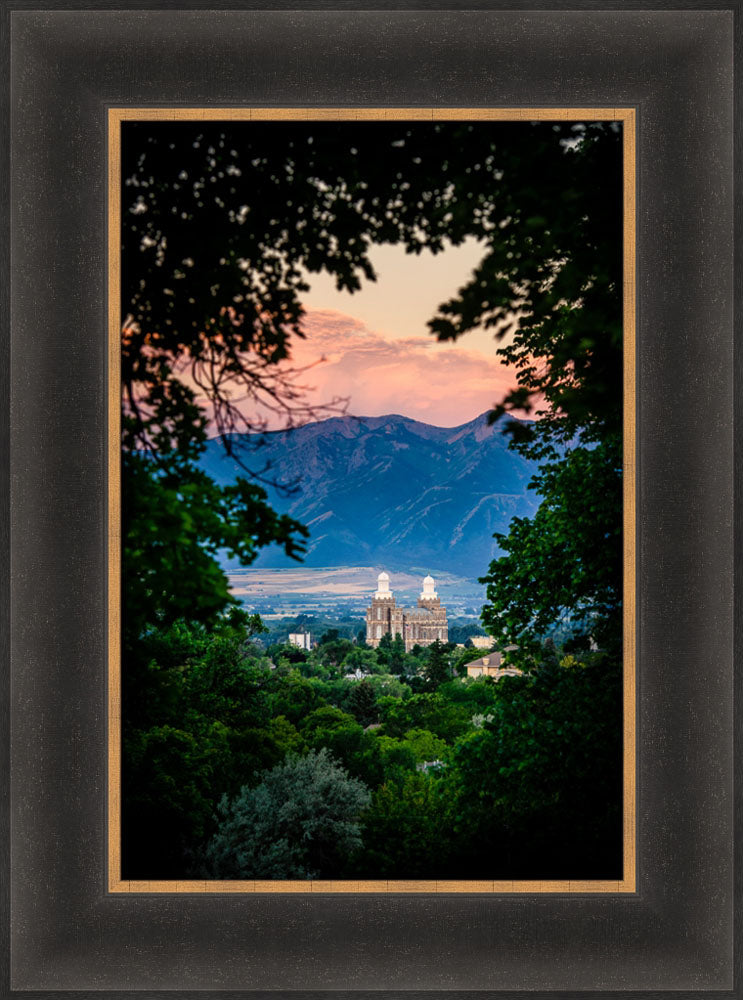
(563,566)
(538,788)
(407,830)
(300,821)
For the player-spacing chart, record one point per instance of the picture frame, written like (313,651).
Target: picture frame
(205,119)
(67,932)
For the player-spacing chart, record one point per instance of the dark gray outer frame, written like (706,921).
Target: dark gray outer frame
(66,933)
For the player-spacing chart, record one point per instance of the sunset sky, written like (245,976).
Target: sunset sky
(379,351)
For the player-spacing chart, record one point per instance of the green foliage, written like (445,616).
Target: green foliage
(461,633)
(195,725)
(300,821)
(391,653)
(167,779)
(363,659)
(346,739)
(280,628)
(175,519)
(388,686)
(565,564)
(287,651)
(327,719)
(335,651)
(478,694)
(557,258)
(437,669)
(539,786)
(532,765)
(464,656)
(362,703)
(425,746)
(407,830)
(398,757)
(292,696)
(424,711)
(285,737)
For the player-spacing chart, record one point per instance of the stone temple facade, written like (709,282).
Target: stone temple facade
(420,626)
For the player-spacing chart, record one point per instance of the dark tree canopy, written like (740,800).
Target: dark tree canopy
(563,567)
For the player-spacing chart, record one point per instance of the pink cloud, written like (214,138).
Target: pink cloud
(443,384)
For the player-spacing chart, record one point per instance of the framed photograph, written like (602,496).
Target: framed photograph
(261,673)
(233,771)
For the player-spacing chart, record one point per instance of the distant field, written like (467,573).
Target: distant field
(344,583)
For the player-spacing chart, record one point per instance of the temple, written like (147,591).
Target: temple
(419,626)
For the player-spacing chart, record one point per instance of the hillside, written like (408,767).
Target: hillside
(391,491)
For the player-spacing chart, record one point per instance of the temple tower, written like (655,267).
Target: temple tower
(380,616)
(429,598)
(421,625)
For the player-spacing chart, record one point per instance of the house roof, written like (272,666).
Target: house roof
(489,660)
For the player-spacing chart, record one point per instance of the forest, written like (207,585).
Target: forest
(241,760)
(411,771)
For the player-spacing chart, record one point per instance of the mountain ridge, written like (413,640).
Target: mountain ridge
(390,490)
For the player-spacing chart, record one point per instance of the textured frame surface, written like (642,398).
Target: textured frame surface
(676,68)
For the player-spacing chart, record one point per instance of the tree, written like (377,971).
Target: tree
(196,727)
(398,758)
(391,653)
(333,650)
(175,520)
(385,685)
(362,703)
(476,693)
(301,821)
(465,656)
(407,830)
(168,798)
(463,633)
(289,652)
(425,746)
(363,659)
(339,732)
(424,711)
(538,787)
(564,566)
(292,696)
(438,668)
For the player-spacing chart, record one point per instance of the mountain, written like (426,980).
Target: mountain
(390,491)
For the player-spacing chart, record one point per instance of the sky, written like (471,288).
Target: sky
(374,346)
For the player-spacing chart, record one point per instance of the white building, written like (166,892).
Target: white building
(419,626)
(482,641)
(301,639)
